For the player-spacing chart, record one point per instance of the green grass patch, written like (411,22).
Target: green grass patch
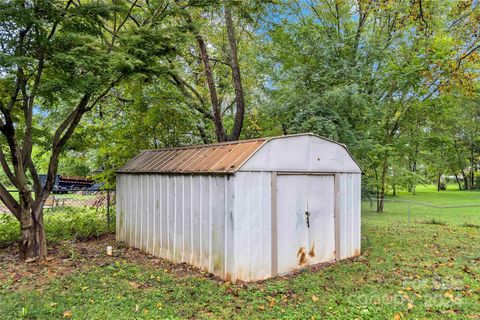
(408,270)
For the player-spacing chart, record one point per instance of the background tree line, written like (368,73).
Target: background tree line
(85,85)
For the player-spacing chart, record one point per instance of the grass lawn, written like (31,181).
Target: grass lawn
(429,268)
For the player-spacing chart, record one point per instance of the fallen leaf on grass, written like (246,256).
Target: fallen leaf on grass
(67,314)
(314,298)
(397,316)
(410,305)
(449,295)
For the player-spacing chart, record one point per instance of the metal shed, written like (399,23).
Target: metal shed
(246,210)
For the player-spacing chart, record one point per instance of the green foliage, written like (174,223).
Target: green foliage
(376,76)
(10,229)
(61,224)
(395,82)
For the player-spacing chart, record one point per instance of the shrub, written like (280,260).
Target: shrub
(9,229)
(64,223)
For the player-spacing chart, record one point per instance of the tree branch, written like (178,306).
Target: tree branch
(37,185)
(62,134)
(465,55)
(28,109)
(6,169)
(116,30)
(9,201)
(216,112)
(106,91)
(236,74)
(8,130)
(183,86)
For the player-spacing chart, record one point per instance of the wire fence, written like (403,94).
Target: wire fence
(466,213)
(103,202)
(99,200)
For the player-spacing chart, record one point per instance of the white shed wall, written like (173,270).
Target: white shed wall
(183,218)
(252,216)
(349,202)
(303,153)
(218,223)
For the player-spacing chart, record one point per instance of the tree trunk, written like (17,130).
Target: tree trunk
(237,79)
(465,180)
(381,196)
(472,166)
(207,68)
(33,244)
(381,200)
(203,134)
(458,180)
(411,187)
(439,181)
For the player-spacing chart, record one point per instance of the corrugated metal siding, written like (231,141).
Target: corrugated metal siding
(120,212)
(216,158)
(182,218)
(350,241)
(252,225)
(220,224)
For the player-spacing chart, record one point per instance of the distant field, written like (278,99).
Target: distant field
(427,269)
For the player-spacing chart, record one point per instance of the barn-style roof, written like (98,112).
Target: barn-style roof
(224,157)
(229,157)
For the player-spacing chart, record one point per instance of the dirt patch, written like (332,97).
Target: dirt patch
(73,256)
(69,257)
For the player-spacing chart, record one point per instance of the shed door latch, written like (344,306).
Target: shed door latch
(307,214)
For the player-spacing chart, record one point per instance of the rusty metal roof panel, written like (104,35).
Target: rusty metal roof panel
(224,158)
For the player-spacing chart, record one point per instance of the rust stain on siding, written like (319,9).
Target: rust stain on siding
(311,253)
(213,158)
(301,254)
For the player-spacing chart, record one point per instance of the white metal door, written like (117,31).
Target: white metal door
(321,226)
(305,221)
